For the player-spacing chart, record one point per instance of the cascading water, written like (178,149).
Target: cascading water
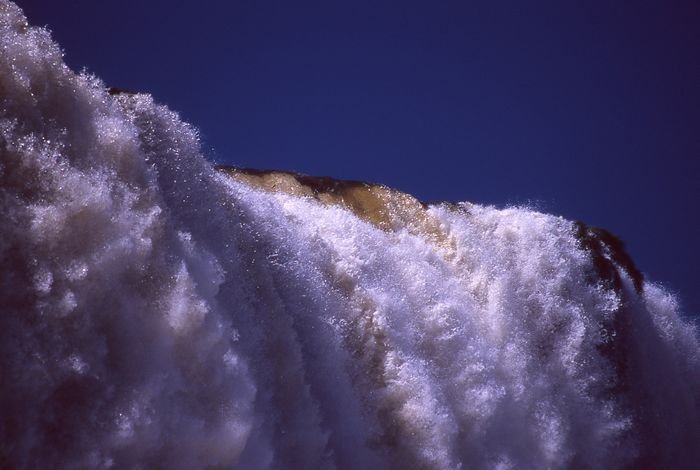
(158,312)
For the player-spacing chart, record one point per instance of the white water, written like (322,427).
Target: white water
(155,313)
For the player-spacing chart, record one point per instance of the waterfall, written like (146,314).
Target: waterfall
(157,311)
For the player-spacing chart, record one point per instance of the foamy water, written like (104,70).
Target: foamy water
(155,312)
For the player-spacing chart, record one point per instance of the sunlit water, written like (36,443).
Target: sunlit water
(157,313)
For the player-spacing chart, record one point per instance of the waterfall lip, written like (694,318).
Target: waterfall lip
(115,91)
(319,185)
(384,207)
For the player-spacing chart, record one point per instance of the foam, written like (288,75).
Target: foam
(158,312)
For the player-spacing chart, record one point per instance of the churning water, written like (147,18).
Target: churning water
(157,312)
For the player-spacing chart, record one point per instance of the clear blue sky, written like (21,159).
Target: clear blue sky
(587,109)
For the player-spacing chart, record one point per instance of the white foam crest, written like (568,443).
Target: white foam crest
(463,363)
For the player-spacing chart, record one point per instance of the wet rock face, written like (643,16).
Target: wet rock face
(608,253)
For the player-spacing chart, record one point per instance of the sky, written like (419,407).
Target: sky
(585,109)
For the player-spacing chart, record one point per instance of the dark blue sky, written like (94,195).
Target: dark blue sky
(587,109)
